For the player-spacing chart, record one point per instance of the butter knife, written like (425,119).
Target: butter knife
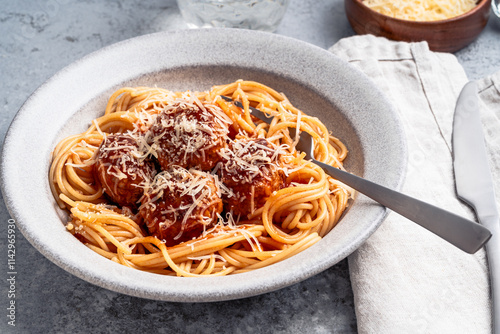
(474,182)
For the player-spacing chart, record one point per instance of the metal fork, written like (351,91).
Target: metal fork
(463,233)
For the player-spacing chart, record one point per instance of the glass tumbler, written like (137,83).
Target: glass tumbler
(262,15)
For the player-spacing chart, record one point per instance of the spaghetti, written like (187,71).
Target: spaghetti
(205,206)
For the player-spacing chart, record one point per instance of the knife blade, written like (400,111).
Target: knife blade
(474,182)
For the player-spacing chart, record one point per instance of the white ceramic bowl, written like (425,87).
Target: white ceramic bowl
(312,78)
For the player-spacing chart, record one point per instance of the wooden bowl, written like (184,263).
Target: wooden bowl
(445,35)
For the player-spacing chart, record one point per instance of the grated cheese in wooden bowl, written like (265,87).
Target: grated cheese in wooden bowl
(421,10)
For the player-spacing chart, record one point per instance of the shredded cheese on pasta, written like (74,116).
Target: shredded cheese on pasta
(289,220)
(421,10)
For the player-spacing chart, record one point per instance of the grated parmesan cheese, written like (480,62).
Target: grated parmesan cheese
(421,10)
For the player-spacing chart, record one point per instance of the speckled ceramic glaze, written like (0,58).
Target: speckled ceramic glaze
(313,79)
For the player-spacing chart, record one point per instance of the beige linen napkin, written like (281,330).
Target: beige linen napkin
(405,279)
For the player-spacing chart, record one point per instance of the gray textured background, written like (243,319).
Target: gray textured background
(38,38)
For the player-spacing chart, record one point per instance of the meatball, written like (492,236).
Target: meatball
(180,205)
(190,134)
(250,171)
(122,169)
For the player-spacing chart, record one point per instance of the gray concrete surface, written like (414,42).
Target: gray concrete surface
(37,38)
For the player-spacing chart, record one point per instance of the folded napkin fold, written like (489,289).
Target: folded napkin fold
(404,278)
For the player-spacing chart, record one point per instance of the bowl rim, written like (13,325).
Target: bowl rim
(480,5)
(129,281)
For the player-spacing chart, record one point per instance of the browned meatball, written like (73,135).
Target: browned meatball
(189,134)
(180,205)
(251,172)
(122,169)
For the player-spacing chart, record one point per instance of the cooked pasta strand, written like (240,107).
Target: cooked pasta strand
(292,218)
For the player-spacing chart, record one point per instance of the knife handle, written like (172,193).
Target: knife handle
(463,233)
(493,257)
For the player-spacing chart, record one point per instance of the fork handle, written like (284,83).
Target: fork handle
(463,233)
